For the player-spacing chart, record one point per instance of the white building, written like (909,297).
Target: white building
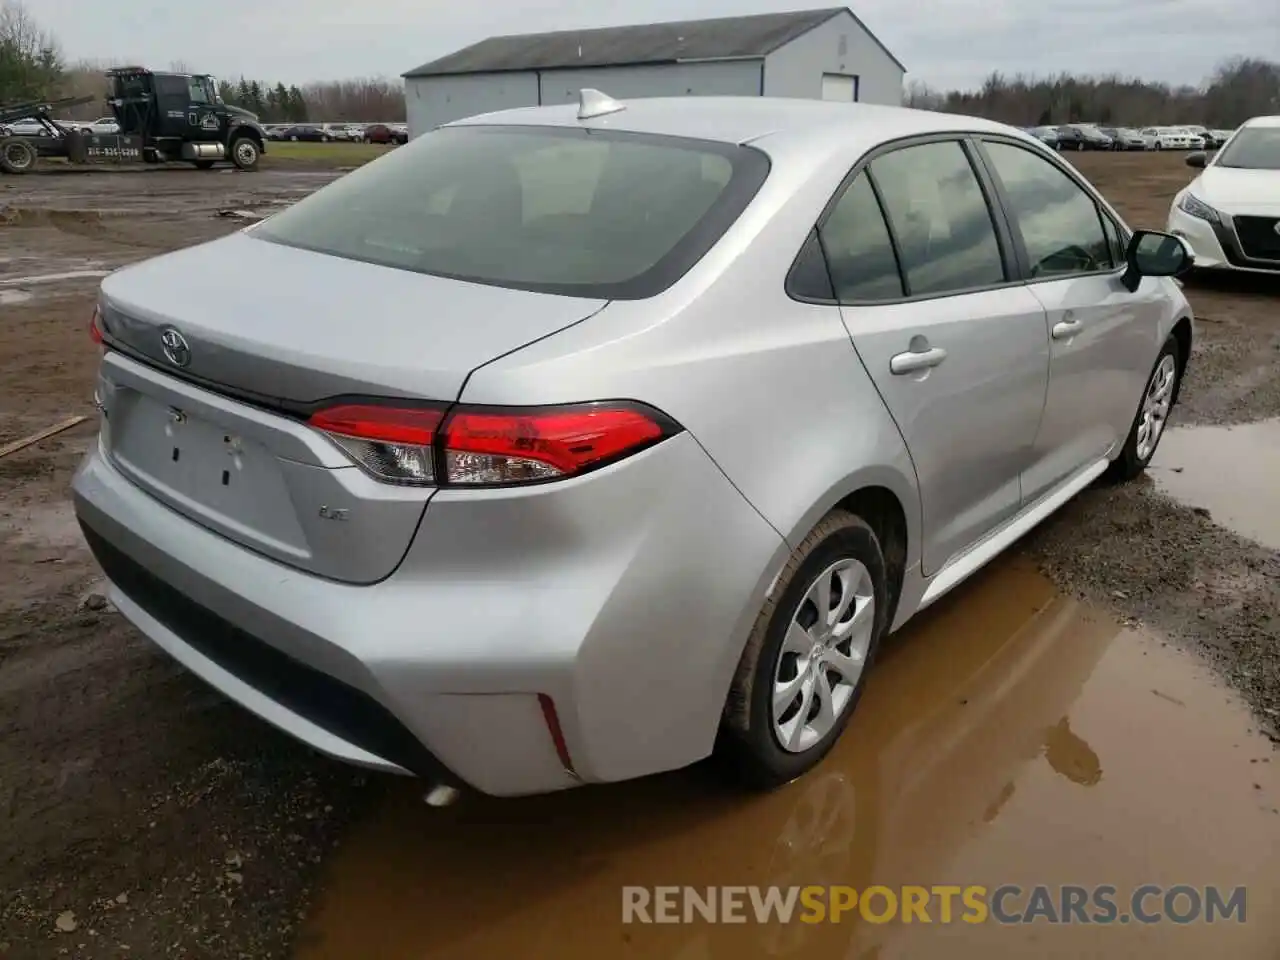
(819,54)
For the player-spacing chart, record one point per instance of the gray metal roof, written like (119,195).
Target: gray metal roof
(722,38)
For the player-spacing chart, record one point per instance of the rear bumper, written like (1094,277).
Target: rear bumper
(626,596)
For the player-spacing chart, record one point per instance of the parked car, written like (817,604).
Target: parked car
(105,126)
(308,132)
(665,456)
(335,131)
(1170,138)
(276,131)
(1221,136)
(1230,213)
(382,133)
(1046,135)
(24,128)
(1204,139)
(1080,136)
(1122,138)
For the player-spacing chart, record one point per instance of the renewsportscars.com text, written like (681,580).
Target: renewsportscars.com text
(1007,904)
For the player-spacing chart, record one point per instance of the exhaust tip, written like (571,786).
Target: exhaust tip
(442,796)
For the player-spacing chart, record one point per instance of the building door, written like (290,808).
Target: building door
(839,86)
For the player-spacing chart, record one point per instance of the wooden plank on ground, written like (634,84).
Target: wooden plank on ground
(44,434)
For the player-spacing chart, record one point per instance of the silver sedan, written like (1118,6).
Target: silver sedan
(577,443)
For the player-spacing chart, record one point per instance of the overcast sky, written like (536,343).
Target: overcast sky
(943,42)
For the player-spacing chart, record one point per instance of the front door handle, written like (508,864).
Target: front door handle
(916,360)
(1067,329)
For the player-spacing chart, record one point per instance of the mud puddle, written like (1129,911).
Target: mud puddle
(1010,736)
(1231,471)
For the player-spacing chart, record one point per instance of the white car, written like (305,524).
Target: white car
(1172,138)
(103,126)
(1230,213)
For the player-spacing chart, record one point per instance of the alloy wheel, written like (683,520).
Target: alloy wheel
(1155,406)
(823,655)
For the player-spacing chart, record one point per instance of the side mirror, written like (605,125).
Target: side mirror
(1197,159)
(1155,254)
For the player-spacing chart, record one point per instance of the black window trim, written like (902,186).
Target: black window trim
(1099,206)
(999,219)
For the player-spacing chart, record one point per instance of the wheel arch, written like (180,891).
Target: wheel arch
(883,511)
(886,492)
(1183,335)
(245,130)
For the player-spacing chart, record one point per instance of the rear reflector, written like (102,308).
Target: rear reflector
(552,720)
(490,446)
(95,326)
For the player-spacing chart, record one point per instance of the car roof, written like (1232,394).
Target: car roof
(746,119)
(1270,121)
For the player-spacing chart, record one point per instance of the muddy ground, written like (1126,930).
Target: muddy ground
(142,815)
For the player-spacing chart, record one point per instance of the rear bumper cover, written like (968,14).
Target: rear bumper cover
(625,595)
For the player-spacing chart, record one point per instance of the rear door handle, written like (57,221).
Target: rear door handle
(914,361)
(1067,329)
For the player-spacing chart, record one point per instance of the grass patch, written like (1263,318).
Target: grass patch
(335,154)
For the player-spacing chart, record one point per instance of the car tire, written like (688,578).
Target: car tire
(1157,146)
(293,139)
(17,155)
(767,738)
(245,153)
(1158,397)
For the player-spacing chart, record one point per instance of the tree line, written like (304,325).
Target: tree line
(32,68)
(363,100)
(1240,88)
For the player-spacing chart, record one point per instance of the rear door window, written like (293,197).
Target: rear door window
(560,210)
(859,251)
(940,218)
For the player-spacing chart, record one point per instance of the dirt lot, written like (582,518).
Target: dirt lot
(144,816)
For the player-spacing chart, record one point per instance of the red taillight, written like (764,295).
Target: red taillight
(392,443)
(390,424)
(489,446)
(95,326)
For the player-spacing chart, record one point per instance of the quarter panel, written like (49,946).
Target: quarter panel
(771,388)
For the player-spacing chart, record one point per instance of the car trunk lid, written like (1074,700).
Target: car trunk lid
(213,424)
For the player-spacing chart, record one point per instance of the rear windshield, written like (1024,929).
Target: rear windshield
(561,210)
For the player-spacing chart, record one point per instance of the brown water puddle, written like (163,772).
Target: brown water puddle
(1233,472)
(1010,736)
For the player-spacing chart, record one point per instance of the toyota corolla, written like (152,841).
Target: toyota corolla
(577,443)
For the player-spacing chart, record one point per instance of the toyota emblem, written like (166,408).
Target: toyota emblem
(176,348)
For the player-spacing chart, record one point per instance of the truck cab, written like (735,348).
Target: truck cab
(182,117)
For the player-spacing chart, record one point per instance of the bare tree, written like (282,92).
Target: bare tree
(30,61)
